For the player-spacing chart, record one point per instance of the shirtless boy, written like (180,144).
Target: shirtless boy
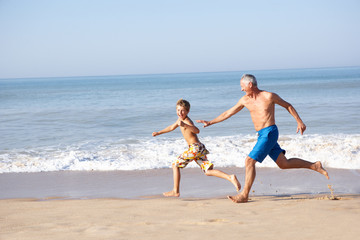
(196,151)
(261,105)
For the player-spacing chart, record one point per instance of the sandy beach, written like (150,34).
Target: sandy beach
(277,217)
(129,205)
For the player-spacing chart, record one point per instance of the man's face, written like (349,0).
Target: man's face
(181,112)
(245,87)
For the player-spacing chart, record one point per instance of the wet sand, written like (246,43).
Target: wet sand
(194,184)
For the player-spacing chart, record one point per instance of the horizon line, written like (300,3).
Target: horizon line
(170,73)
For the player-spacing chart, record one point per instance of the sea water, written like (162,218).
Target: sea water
(106,122)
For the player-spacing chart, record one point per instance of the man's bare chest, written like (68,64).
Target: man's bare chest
(259,106)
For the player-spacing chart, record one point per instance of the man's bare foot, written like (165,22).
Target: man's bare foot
(235,181)
(171,194)
(238,198)
(319,168)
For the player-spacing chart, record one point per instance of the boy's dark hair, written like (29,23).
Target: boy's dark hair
(183,103)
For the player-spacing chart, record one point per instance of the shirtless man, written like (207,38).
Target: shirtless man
(261,105)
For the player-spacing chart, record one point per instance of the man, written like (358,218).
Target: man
(261,105)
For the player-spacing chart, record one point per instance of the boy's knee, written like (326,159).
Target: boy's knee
(207,172)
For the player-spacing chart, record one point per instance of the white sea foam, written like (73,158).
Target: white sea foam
(334,151)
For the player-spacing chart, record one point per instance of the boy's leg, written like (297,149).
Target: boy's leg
(285,163)
(220,174)
(176,189)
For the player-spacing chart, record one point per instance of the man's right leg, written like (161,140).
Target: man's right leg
(285,163)
(250,174)
(176,189)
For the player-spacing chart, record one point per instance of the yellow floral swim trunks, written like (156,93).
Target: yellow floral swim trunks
(196,152)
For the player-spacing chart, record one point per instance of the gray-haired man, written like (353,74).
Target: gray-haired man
(261,105)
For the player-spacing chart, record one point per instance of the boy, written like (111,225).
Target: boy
(196,152)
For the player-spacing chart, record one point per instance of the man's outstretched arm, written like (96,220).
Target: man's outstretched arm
(225,115)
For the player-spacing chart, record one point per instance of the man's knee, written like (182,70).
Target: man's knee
(249,162)
(281,161)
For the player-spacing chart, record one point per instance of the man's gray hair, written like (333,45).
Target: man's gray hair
(247,78)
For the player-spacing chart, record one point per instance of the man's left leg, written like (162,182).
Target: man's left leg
(250,174)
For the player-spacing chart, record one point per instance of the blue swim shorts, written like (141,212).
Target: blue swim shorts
(267,144)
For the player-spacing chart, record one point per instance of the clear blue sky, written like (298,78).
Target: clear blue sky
(45,38)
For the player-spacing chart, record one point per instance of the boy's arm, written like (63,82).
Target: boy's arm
(225,115)
(278,100)
(167,129)
(189,125)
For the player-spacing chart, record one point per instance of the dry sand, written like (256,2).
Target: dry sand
(276,217)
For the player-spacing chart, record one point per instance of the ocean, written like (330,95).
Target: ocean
(106,122)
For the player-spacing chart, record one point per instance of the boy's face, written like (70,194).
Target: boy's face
(181,112)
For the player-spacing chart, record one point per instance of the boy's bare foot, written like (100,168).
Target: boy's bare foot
(171,194)
(235,181)
(319,168)
(238,198)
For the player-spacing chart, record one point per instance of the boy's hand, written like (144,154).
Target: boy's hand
(180,123)
(155,134)
(206,123)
